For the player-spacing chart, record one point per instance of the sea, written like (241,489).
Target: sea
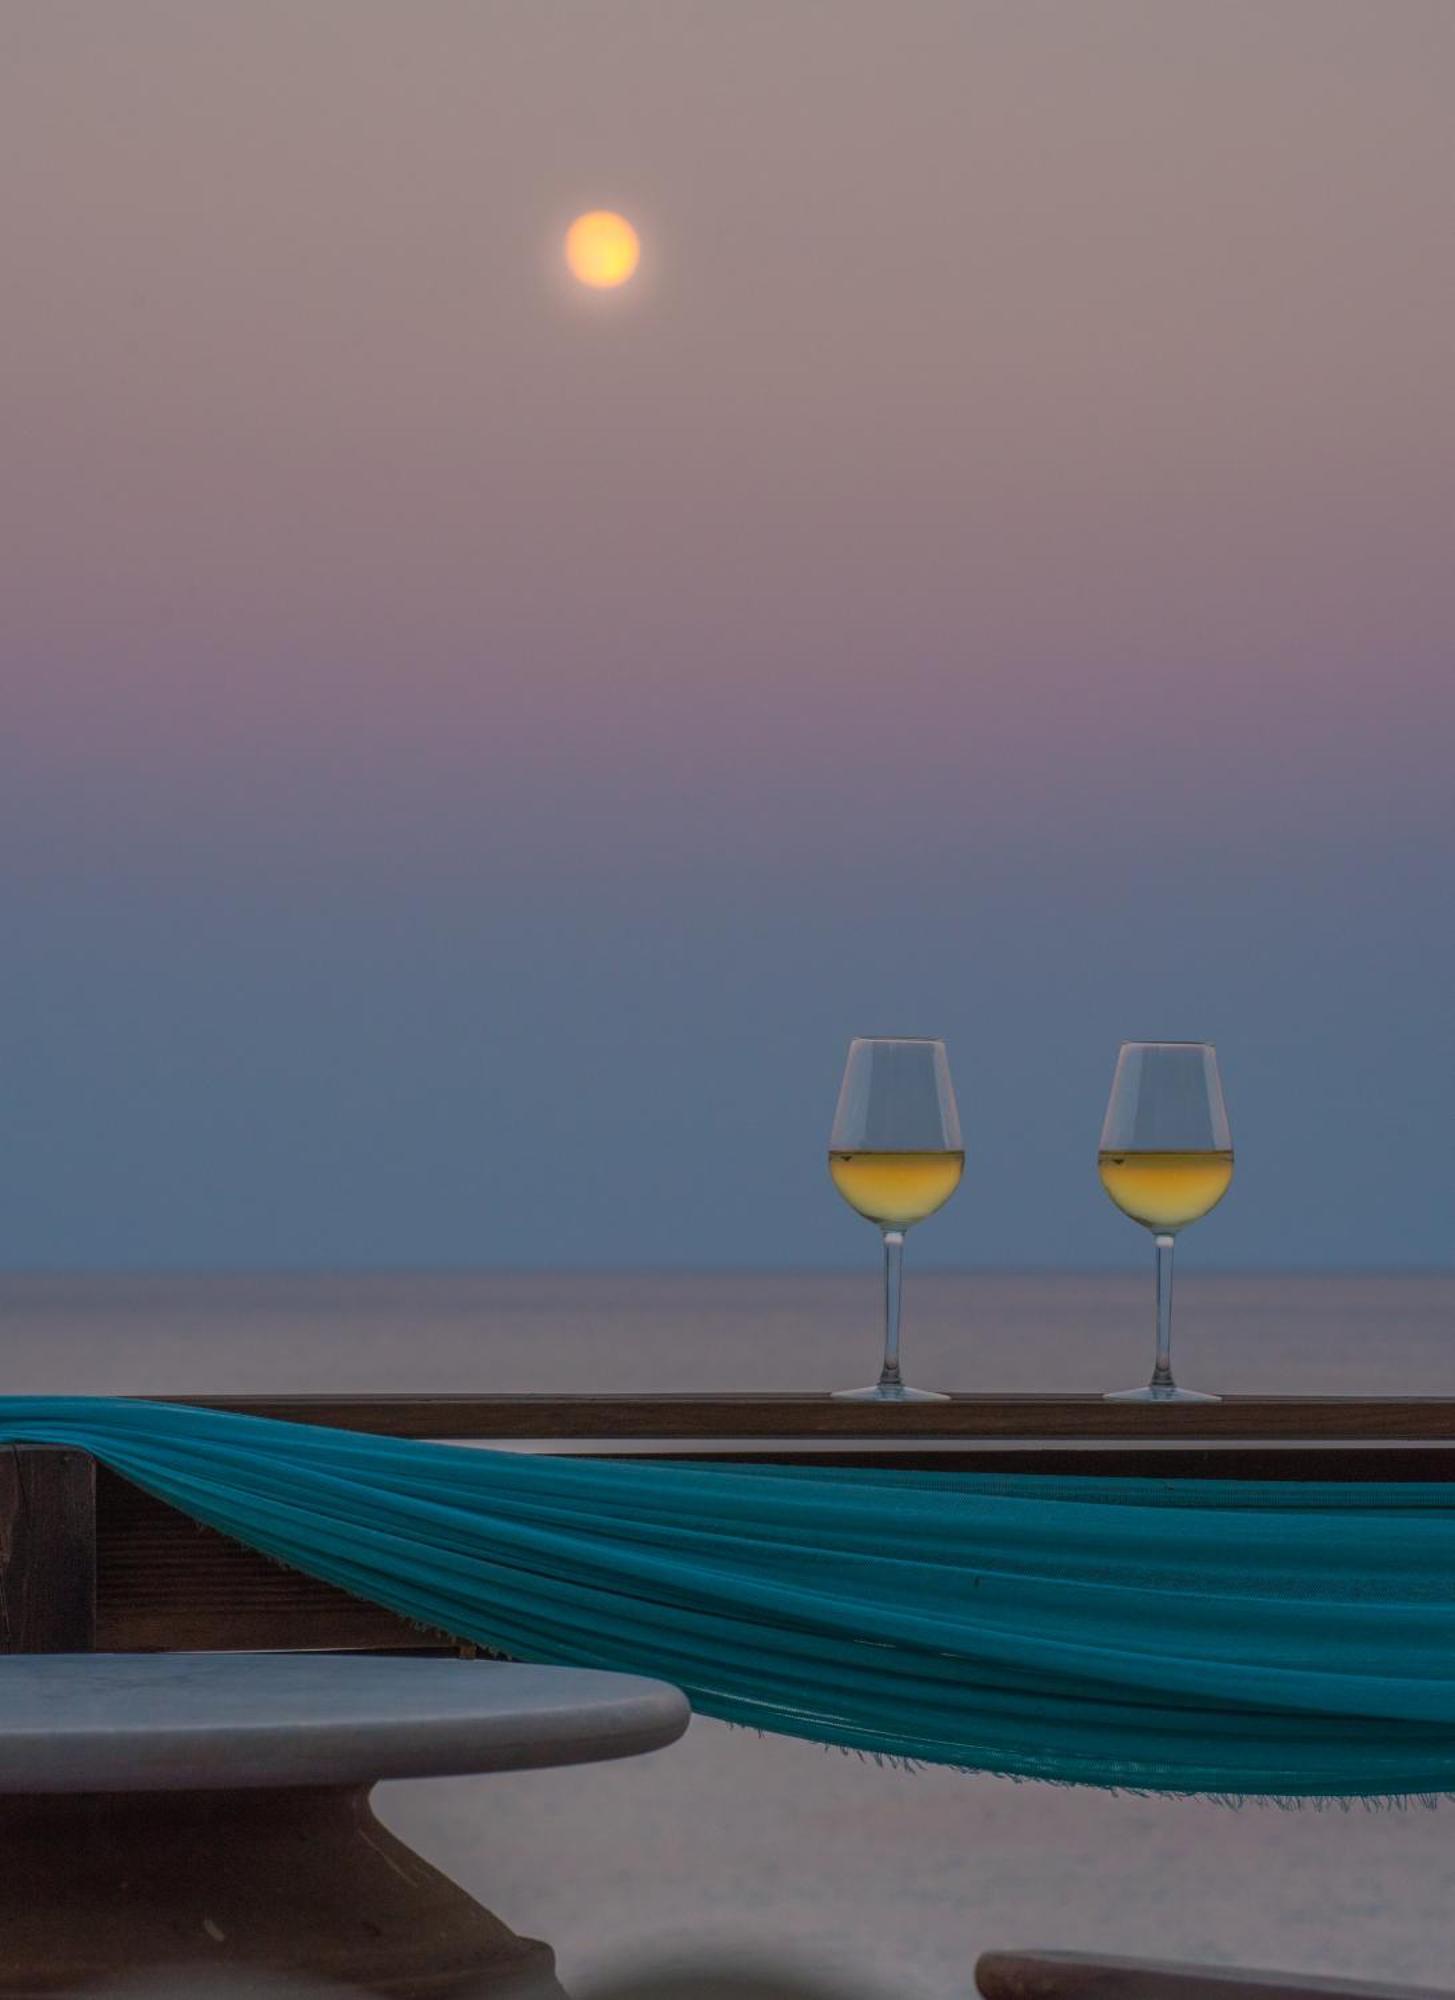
(733,1848)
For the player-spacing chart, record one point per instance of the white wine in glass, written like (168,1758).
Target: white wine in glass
(1166,1190)
(1166,1160)
(895,1155)
(896,1189)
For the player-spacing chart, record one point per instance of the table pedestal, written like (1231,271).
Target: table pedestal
(305,1882)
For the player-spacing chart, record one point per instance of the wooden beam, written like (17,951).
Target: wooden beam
(1028,1419)
(1073,1975)
(47,1550)
(164,1583)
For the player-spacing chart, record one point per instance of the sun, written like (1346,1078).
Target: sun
(602,249)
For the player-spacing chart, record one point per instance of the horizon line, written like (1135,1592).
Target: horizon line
(9,1272)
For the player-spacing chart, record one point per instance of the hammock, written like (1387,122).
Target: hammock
(1234,1638)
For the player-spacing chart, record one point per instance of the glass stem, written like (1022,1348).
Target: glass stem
(1162,1372)
(889,1377)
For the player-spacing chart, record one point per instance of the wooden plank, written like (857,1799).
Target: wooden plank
(47,1550)
(1190,1460)
(164,1582)
(964,1419)
(1068,1975)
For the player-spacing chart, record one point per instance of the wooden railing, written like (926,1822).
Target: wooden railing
(89,1562)
(962,1420)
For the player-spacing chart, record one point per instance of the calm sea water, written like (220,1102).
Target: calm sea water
(731,1842)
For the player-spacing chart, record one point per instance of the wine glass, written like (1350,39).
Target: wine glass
(895,1155)
(1166,1159)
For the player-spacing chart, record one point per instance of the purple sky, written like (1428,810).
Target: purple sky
(474,751)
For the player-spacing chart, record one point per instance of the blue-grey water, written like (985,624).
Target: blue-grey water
(733,1842)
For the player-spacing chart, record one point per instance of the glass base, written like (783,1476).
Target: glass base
(1151,1395)
(881,1392)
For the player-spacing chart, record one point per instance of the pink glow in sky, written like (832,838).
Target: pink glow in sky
(1016,402)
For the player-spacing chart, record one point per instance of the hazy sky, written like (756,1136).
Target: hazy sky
(473,751)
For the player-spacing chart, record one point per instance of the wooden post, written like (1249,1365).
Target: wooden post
(47,1550)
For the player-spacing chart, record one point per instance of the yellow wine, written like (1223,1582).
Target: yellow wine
(1165,1190)
(896,1189)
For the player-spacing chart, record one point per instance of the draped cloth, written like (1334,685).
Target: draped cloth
(1234,1638)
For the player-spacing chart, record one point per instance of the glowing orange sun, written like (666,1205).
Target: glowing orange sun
(602,249)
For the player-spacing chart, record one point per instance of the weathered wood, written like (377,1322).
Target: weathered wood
(47,1550)
(1000,1418)
(242,1892)
(1069,1975)
(165,1583)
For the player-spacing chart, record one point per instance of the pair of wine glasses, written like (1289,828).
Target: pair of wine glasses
(895,1155)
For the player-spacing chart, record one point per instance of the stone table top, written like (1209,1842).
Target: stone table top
(142,1722)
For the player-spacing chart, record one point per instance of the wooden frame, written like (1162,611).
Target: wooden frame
(1073,1975)
(47,1550)
(87,1560)
(1035,1419)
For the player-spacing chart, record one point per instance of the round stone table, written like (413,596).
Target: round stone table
(212,1810)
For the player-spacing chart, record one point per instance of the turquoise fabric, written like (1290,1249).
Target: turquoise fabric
(1165,1635)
